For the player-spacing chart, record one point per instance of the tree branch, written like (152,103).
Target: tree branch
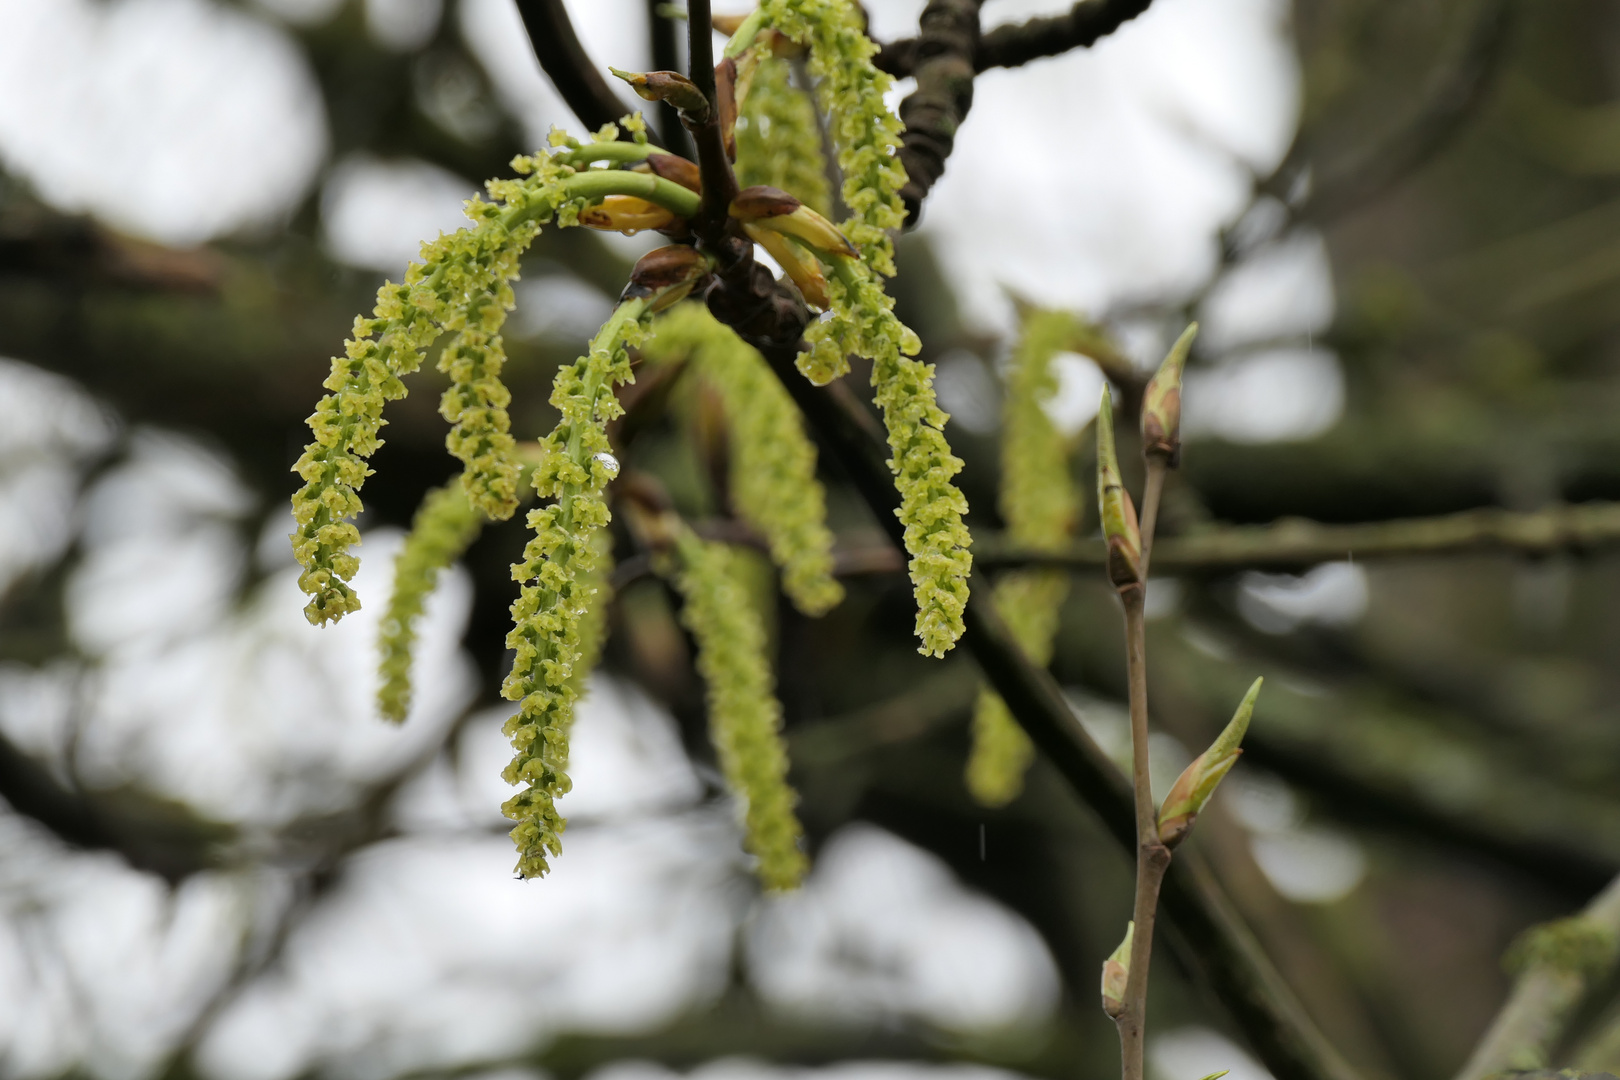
(1562,963)
(569,68)
(1016,44)
(1294,544)
(943,64)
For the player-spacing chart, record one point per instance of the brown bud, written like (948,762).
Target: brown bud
(676,169)
(762,201)
(626,214)
(670,86)
(667,275)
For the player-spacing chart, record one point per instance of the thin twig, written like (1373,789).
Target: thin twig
(1152,857)
(1152,491)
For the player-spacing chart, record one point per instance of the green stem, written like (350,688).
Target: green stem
(619,152)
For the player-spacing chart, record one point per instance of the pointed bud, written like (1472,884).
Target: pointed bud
(800,266)
(1161,403)
(773,208)
(676,169)
(1116,973)
(1193,788)
(626,214)
(1114,502)
(670,86)
(666,275)
(762,201)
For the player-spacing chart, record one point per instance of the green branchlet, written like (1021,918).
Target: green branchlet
(773,462)
(1040,506)
(557,578)
(461,285)
(444,526)
(1117,511)
(1161,403)
(1116,973)
(1194,787)
(745,719)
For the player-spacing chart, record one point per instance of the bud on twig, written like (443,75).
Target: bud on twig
(676,169)
(1161,403)
(626,214)
(670,86)
(774,209)
(666,275)
(1193,788)
(1116,973)
(800,266)
(1114,502)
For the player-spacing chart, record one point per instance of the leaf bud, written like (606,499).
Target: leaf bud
(1197,782)
(670,86)
(1161,403)
(1114,503)
(773,208)
(626,214)
(1116,973)
(666,275)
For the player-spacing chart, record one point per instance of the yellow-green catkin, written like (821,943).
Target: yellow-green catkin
(745,719)
(461,285)
(557,575)
(778,140)
(443,528)
(862,320)
(773,461)
(1040,507)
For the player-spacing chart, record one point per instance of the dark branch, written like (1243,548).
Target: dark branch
(945,47)
(946,54)
(719,182)
(1012,45)
(570,70)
